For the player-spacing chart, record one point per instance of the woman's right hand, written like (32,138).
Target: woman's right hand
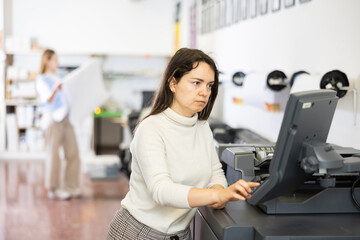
(58,86)
(240,190)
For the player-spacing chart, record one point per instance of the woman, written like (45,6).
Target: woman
(175,167)
(58,130)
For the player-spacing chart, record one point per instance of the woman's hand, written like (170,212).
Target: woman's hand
(217,196)
(238,191)
(57,87)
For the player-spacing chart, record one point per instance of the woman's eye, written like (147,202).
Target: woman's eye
(210,85)
(196,83)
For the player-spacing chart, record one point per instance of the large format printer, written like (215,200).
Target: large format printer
(320,193)
(308,187)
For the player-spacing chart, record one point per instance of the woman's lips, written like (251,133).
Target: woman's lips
(201,102)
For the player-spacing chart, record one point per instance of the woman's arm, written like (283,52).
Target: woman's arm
(217,196)
(57,87)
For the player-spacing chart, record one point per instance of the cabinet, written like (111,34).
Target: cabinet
(21,109)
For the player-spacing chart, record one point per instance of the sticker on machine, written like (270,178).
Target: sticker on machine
(307,105)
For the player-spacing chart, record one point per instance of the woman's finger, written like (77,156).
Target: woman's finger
(248,185)
(237,196)
(240,189)
(253,184)
(245,185)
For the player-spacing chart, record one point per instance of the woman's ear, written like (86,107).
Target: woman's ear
(172,84)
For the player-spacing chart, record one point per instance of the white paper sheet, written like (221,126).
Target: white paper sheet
(86,90)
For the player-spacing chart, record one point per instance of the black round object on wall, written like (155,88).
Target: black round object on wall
(238,78)
(295,75)
(276,80)
(335,80)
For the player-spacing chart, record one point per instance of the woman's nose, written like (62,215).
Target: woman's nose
(205,91)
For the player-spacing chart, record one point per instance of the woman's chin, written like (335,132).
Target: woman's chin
(199,109)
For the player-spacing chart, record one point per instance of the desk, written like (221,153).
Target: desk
(240,220)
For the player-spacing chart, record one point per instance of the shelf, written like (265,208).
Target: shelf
(86,156)
(23,52)
(15,102)
(27,155)
(19,80)
(80,53)
(30,127)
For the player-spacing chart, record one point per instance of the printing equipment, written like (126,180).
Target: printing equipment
(309,188)
(326,191)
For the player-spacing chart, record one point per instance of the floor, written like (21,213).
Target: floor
(26,213)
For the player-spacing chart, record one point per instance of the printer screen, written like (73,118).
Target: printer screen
(307,118)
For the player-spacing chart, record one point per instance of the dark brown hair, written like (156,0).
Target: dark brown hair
(181,63)
(46,56)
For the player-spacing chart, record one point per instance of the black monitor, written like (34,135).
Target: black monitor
(307,118)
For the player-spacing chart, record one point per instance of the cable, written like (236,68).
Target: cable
(353,193)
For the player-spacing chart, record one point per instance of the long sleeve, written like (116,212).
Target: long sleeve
(170,155)
(43,90)
(149,150)
(59,106)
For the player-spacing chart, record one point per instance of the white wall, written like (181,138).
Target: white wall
(135,37)
(317,36)
(97,26)
(1,14)
(185,22)
(2,80)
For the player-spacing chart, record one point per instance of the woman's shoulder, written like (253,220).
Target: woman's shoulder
(150,126)
(61,73)
(152,121)
(203,124)
(40,76)
(44,77)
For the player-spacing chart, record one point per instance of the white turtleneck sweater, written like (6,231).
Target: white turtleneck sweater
(170,154)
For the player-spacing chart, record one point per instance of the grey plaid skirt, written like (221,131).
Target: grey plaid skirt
(125,226)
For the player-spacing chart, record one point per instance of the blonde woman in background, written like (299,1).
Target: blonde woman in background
(58,131)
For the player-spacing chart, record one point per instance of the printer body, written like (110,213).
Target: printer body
(326,189)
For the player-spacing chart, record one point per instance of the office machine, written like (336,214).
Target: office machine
(302,177)
(224,134)
(301,173)
(249,162)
